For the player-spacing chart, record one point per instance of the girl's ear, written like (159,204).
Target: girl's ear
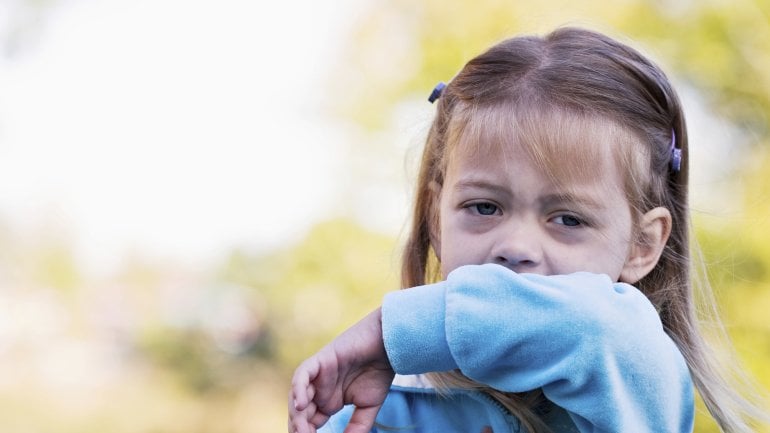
(434,220)
(654,230)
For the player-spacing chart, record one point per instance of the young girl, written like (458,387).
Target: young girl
(547,265)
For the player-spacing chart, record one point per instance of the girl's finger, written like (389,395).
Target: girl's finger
(308,396)
(301,390)
(362,419)
(319,419)
(301,421)
(326,383)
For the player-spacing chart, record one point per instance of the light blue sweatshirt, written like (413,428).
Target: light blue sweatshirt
(596,348)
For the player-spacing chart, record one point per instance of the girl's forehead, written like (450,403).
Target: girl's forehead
(567,147)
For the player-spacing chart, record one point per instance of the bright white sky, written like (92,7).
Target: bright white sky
(172,128)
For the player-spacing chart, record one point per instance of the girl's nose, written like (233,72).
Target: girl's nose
(519,248)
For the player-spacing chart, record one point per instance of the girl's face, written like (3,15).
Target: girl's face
(498,207)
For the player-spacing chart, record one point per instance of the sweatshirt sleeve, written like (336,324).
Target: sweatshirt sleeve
(596,348)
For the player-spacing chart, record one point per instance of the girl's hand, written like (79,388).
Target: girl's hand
(352,369)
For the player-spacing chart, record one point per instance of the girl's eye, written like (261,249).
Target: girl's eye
(567,220)
(485,208)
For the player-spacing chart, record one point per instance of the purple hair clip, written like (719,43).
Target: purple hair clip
(436,93)
(676,154)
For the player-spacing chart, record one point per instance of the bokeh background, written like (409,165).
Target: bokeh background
(196,195)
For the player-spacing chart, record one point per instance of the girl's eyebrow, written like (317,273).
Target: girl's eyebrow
(583,200)
(476,183)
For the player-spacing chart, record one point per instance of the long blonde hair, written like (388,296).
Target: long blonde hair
(575,75)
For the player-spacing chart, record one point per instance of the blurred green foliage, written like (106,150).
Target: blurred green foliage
(319,287)
(720,47)
(736,256)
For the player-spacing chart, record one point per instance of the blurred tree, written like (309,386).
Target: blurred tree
(319,287)
(402,48)
(39,256)
(53,265)
(737,260)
